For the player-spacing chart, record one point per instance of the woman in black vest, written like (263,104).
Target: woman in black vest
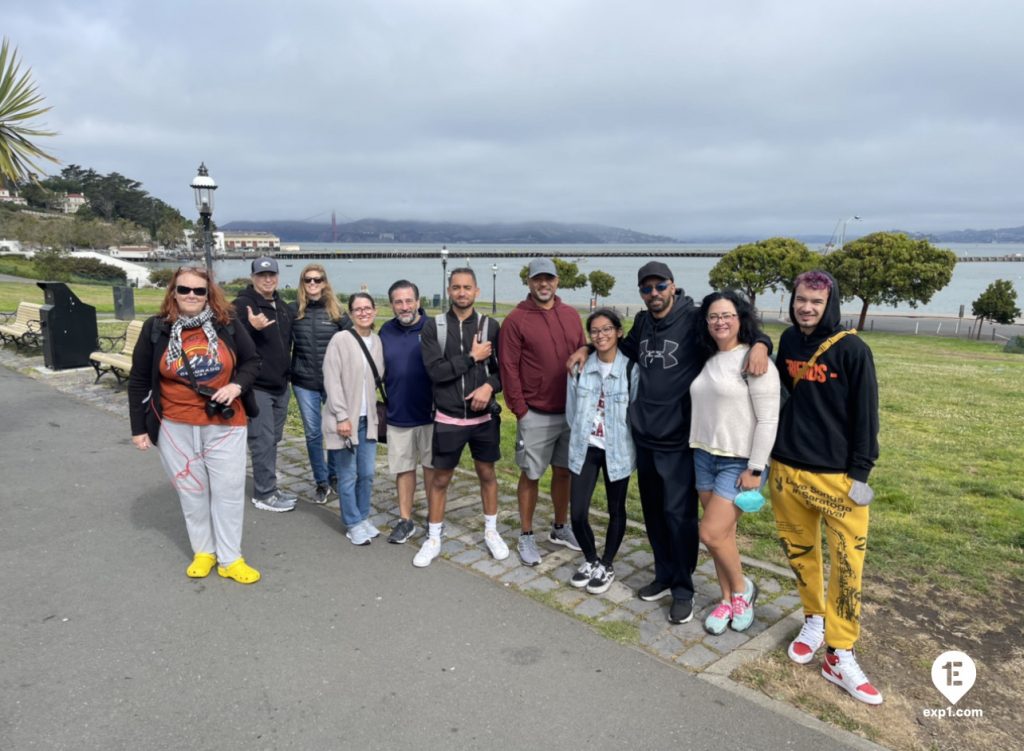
(317,316)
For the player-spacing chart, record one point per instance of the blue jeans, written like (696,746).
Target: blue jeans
(309,408)
(355,468)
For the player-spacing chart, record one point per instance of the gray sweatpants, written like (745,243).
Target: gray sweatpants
(266,431)
(206,465)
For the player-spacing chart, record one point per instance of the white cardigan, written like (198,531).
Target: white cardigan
(347,381)
(732,416)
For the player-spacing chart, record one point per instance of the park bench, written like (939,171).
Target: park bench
(22,327)
(118,363)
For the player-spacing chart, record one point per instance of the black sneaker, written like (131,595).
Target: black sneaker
(653,591)
(582,576)
(402,531)
(322,493)
(602,579)
(681,611)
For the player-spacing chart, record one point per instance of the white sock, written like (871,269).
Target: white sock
(434,530)
(490,522)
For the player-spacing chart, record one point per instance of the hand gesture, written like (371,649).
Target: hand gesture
(757,362)
(345,429)
(576,360)
(480,397)
(259,321)
(480,351)
(141,441)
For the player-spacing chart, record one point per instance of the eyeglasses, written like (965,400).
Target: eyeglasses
(181,289)
(313,280)
(723,317)
(603,331)
(362,311)
(660,286)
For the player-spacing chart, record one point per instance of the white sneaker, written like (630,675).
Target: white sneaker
(808,641)
(840,667)
(497,546)
(371,530)
(431,549)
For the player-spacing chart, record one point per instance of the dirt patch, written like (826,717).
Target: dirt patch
(904,628)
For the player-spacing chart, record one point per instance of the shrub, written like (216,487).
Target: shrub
(161,277)
(1015,346)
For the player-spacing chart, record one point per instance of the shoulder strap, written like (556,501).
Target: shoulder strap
(373,366)
(821,350)
(482,327)
(442,330)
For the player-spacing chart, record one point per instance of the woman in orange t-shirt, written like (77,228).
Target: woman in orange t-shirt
(189,394)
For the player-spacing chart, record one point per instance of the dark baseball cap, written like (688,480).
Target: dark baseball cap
(654,268)
(264,265)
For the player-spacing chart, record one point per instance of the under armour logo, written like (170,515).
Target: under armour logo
(264,264)
(668,360)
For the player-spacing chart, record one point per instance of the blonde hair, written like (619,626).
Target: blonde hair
(326,294)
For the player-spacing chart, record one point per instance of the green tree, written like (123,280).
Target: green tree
(887,268)
(601,283)
(569,276)
(766,264)
(998,303)
(19,104)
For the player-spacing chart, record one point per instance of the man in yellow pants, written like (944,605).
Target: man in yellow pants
(826,446)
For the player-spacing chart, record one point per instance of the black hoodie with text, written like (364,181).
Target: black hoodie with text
(830,421)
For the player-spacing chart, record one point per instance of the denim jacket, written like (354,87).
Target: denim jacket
(581,406)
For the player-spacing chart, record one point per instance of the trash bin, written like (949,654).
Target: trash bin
(124,303)
(437,301)
(69,328)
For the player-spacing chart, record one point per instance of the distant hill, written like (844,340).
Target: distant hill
(1005,235)
(386,230)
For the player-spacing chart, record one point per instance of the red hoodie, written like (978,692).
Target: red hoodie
(533,346)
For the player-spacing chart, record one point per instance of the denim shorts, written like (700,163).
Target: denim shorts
(720,473)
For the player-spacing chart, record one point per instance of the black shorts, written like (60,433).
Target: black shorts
(484,442)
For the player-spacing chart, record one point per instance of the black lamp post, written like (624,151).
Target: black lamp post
(444,276)
(203,187)
(494,288)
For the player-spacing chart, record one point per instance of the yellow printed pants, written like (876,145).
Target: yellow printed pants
(802,500)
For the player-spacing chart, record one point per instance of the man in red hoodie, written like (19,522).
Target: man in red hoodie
(535,341)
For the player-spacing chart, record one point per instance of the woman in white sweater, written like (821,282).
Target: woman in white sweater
(350,415)
(732,430)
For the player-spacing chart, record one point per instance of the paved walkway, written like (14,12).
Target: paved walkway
(617,613)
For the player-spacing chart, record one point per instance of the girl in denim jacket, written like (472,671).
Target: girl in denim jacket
(598,397)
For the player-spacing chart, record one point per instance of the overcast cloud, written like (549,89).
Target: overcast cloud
(672,117)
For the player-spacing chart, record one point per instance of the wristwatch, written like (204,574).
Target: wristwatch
(756,472)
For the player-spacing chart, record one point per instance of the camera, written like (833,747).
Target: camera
(215,409)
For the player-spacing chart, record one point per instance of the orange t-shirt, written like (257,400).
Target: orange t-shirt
(179,401)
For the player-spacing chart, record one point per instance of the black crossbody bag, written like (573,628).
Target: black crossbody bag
(382,403)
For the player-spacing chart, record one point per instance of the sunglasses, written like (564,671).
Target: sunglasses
(660,286)
(313,280)
(181,289)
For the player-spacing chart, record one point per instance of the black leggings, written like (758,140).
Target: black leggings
(582,488)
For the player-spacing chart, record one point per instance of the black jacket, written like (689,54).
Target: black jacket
(669,355)
(453,372)
(274,343)
(830,421)
(310,336)
(144,380)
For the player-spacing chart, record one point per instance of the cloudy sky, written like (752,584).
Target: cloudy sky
(753,118)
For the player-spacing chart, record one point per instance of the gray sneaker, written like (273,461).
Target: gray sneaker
(276,501)
(322,493)
(564,536)
(402,531)
(527,549)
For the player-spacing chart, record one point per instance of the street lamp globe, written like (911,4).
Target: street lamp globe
(203,186)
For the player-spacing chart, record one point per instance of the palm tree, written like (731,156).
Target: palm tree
(19,103)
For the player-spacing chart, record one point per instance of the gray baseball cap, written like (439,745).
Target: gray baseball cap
(263,265)
(540,266)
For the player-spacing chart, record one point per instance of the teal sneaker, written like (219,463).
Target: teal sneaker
(718,620)
(743,607)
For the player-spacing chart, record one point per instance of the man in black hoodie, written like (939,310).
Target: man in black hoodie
(265,317)
(826,446)
(664,344)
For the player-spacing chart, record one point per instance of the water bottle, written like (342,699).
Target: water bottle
(749,500)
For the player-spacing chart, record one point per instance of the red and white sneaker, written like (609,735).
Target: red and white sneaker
(808,641)
(841,668)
